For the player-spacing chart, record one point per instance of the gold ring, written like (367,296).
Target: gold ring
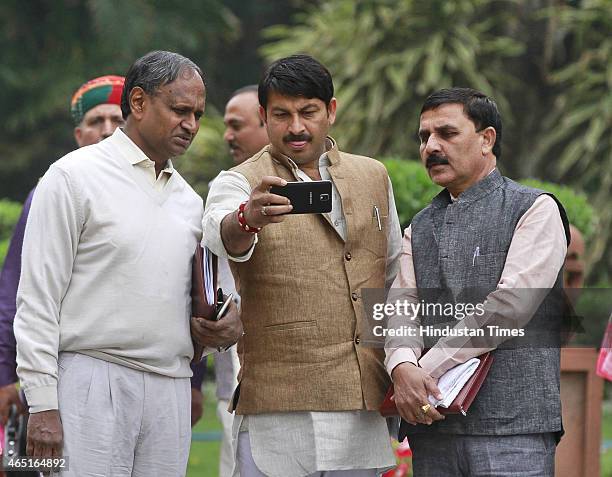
(425,408)
(263,210)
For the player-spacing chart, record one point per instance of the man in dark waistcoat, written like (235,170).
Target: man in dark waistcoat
(490,241)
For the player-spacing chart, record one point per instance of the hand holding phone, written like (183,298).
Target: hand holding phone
(264,207)
(307,197)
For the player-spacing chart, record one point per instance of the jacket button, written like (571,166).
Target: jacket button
(354,296)
(348,256)
(357,340)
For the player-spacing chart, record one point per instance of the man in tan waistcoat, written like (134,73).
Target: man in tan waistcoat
(309,391)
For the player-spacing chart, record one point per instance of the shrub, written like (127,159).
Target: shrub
(4,244)
(414,190)
(9,215)
(579,212)
(412,187)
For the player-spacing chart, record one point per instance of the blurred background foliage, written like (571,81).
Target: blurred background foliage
(412,187)
(546,62)
(50,48)
(576,205)
(9,214)
(414,190)
(387,56)
(207,155)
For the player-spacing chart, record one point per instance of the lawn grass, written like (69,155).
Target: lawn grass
(204,459)
(204,456)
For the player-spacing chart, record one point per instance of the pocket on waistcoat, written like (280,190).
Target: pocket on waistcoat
(488,267)
(383,222)
(294,325)
(372,238)
(286,342)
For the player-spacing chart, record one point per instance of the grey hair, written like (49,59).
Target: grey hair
(153,70)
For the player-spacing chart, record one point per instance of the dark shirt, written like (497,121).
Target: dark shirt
(9,281)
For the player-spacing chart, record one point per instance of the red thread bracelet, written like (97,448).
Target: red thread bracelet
(242,220)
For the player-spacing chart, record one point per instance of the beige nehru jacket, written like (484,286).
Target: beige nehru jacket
(301,297)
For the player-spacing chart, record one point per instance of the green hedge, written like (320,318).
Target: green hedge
(579,211)
(413,190)
(412,187)
(9,215)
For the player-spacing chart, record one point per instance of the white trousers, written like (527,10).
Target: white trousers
(248,468)
(226,455)
(120,422)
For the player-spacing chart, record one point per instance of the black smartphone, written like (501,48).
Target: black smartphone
(313,197)
(222,307)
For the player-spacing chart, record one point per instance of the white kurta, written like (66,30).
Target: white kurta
(301,443)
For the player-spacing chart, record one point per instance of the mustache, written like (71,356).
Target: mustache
(186,135)
(297,137)
(435,160)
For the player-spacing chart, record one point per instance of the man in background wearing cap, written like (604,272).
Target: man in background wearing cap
(95,109)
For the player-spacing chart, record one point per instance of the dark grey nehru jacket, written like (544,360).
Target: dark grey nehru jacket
(521,392)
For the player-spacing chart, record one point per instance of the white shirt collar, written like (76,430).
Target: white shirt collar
(133,154)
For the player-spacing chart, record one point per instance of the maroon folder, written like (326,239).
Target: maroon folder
(199,305)
(462,402)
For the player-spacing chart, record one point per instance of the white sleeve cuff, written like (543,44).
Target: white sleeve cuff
(43,398)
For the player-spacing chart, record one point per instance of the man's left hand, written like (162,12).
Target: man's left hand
(197,400)
(218,334)
(45,435)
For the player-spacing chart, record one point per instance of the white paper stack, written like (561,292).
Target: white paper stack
(451,382)
(207,266)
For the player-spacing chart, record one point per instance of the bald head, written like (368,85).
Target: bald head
(245,133)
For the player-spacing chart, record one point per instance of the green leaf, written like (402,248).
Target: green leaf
(595,133)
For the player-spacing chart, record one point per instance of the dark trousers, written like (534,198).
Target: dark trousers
(452,455)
